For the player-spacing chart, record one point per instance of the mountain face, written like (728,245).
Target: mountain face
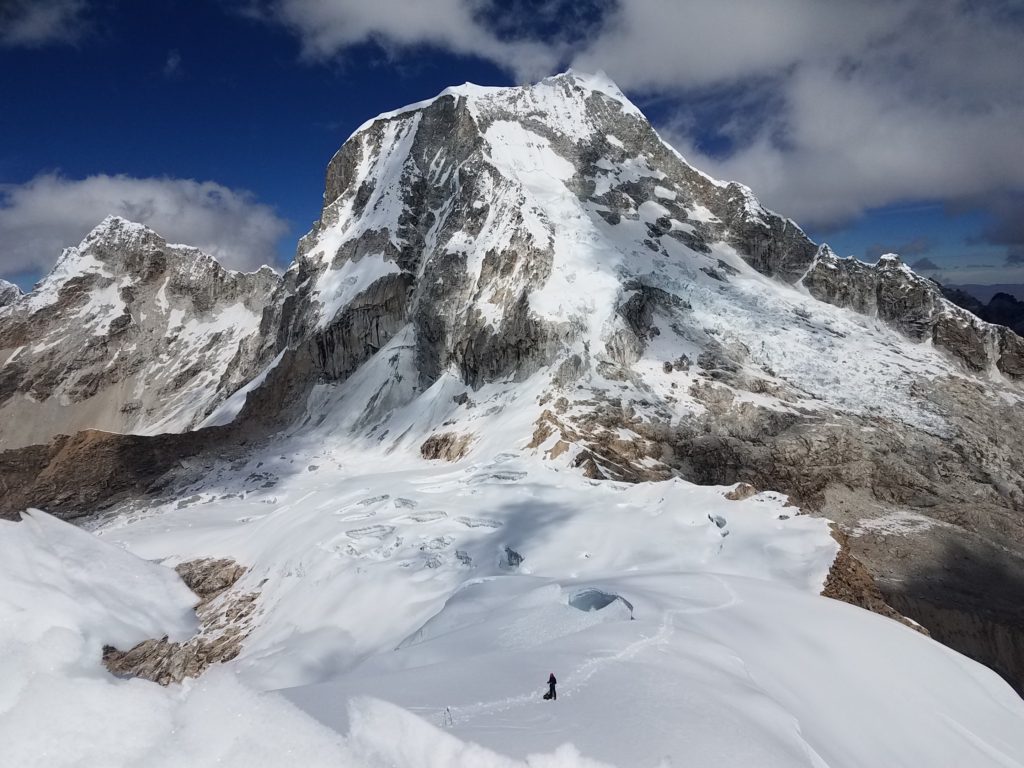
(917,307)
(127,334)
(532,271)
(506,230)
(9,293)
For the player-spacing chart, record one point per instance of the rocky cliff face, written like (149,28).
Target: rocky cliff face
(127,334)
(534,269)
(9,293)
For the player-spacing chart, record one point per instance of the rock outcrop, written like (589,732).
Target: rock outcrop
(225,618)
(9,293)
(84,474)
(850,582)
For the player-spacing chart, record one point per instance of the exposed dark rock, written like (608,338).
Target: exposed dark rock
(361,329)
(81,475)
(446,445)
(512,558)
(225,621)
(849,581)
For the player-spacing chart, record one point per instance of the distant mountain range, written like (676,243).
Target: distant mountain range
(999,304)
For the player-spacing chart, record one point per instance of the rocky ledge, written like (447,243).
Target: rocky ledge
(225,618)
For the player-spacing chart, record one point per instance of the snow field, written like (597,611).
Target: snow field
(393,621)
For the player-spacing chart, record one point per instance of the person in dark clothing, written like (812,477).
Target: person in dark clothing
(551,686)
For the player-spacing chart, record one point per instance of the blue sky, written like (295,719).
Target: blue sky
(877,126)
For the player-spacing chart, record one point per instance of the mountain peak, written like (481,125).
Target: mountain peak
(117,227)
(591,81)
(546,99)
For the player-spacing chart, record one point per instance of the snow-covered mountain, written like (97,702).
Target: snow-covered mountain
(455,452)
(127,334)
(490,233)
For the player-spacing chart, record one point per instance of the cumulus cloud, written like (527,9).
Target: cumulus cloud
(34,23)
(50,212)
(660,45)
(927,105)
(329,27)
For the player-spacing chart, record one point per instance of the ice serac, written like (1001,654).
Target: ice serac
(127,334)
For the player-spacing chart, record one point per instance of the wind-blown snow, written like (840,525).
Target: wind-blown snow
(545,97)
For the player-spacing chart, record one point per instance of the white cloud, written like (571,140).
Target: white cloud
(50,212)
(843,145)
(329,27)
(172,65)
(662,45)
(33,23)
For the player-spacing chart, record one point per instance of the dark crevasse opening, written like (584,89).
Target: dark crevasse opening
(593,599)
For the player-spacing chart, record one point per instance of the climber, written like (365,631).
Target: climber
(551,687)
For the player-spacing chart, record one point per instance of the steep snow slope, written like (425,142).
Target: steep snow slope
(126,334)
